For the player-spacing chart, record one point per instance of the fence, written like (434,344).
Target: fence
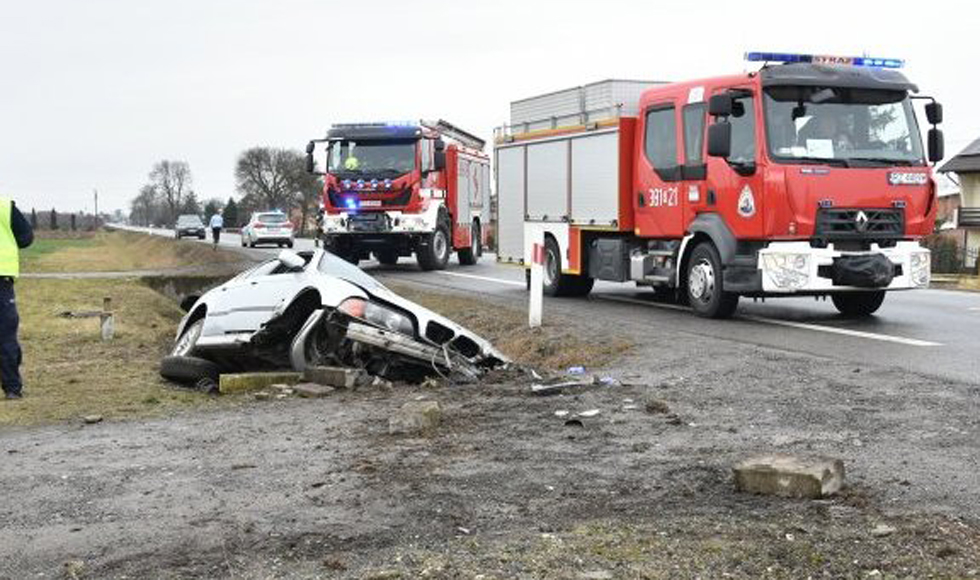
(950,257)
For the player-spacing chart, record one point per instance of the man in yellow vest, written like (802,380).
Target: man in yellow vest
(15,233)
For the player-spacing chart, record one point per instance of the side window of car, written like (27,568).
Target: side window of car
(743,130)
(660,142)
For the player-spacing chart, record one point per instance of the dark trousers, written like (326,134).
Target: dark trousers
(10,355)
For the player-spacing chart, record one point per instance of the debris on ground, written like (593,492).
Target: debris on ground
(92,419)
(339,377)
(657,407)
(589,414)
(415,418)
(882,530)
(790,476)
(312,390)
(242,382)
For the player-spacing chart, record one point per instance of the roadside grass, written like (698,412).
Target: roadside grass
(69,372)
(551,346)
(117,252)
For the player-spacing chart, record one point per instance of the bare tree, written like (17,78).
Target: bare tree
(172,180)
(270,178)
(143,207)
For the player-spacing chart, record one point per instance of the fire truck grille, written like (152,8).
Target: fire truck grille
(864,224)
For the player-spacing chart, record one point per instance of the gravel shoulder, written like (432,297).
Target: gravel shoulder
(504,488)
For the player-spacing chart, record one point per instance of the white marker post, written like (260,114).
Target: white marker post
(537,280)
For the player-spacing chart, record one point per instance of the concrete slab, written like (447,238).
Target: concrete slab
(790,476)
(339,377)
(243,382)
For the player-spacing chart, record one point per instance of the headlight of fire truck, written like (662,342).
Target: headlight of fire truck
(787,271)
(920,268)
(415,223)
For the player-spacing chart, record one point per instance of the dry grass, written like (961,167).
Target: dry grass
(553,346)
(116,252)
(69,372)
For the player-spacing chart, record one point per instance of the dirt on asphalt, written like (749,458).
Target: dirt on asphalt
(506,488)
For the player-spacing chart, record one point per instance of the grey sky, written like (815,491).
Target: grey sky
(95,92)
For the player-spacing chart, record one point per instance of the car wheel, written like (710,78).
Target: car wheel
(433,254)
(858,304)
(191,370)
(704,288)
(184,346)
(289,244)
(556,283)
(469,256)
(386,257)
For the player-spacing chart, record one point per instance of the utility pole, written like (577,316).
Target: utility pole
(96,192)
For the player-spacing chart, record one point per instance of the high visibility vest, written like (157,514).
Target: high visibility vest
(9,252)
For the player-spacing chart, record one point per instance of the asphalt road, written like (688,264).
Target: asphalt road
(934,332)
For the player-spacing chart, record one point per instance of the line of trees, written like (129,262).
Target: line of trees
(266,178)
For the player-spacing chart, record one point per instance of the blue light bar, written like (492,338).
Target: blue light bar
(351,203)
(787,57)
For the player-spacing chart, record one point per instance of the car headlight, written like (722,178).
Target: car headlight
(378,315)
(789,271)
(920,267)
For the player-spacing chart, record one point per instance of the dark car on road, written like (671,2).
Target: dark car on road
(189,225)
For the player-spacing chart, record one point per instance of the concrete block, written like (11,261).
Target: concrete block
(415,417)
(243,382)
(339,377)
(790,476)
(312,390)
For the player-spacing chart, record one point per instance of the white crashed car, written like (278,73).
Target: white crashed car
(314,308)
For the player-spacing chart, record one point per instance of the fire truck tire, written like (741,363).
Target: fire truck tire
(386,257)
(858,304)
(469,256)
(703,284)
(433,253)
(556,283)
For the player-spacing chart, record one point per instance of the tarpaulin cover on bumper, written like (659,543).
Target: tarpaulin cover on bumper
(863,271)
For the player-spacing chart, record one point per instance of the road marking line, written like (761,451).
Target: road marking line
(974,309)
(485,278)
(791,324)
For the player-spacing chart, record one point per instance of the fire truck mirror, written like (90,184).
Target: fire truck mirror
(934,113)
(439,160)
(720,140)
(440,145)
(720,105)
(936,145)
(310,147)
(309,162)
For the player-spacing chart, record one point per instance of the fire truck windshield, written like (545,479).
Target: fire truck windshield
(841,126)
(371,157)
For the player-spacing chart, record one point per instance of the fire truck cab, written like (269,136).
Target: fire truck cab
(803,178)
(393,189)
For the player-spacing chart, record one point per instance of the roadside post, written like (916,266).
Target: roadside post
(106,319)
(537,279)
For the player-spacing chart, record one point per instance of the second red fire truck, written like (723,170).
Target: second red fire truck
(807,177)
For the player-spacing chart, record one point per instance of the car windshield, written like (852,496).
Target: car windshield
(189,220)
(341,268)
(854,127)
(272,218)
(354,159)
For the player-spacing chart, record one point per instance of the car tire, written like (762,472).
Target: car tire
(703,284)
(387,257)
(433,253)
(858,304)
(556,283)
(469,256)
(289,244)
(191,370)
(201,237)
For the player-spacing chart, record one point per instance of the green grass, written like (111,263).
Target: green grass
(43,246)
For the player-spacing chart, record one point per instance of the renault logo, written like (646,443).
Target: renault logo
(861,219)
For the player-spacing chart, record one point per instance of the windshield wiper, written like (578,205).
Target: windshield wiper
(887,161)
(836,161)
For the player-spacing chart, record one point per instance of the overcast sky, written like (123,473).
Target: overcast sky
(94,92)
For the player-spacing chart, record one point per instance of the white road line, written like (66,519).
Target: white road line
(974,309)
(791,324)
(485,279)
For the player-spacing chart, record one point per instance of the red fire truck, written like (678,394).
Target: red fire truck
(806,177)
(393,189)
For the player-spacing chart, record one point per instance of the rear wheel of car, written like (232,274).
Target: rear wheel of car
(469,256)
(289,244)
(858,304)
(433,253)
(386,257)
(188,339)
(704,288)
(191,371)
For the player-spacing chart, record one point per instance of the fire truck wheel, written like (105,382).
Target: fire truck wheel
(858,304)
(386,257)
(556,283)
(469,256)
(433,253)
(704,284)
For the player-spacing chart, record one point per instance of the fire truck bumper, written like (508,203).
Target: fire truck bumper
(798,268)
(380,222)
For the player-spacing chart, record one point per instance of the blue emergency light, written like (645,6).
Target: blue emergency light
(786,57)
(351,203)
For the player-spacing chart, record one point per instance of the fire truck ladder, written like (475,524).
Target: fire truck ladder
(454,132)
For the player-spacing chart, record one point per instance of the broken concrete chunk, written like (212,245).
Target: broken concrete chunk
(790,476)
(92,419)
(312,390)
(338,377)
(241,382)
(415,417)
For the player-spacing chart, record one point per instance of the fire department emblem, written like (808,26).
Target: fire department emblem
(746,203)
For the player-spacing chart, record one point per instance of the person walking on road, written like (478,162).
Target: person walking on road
(217,222)
(15,233)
